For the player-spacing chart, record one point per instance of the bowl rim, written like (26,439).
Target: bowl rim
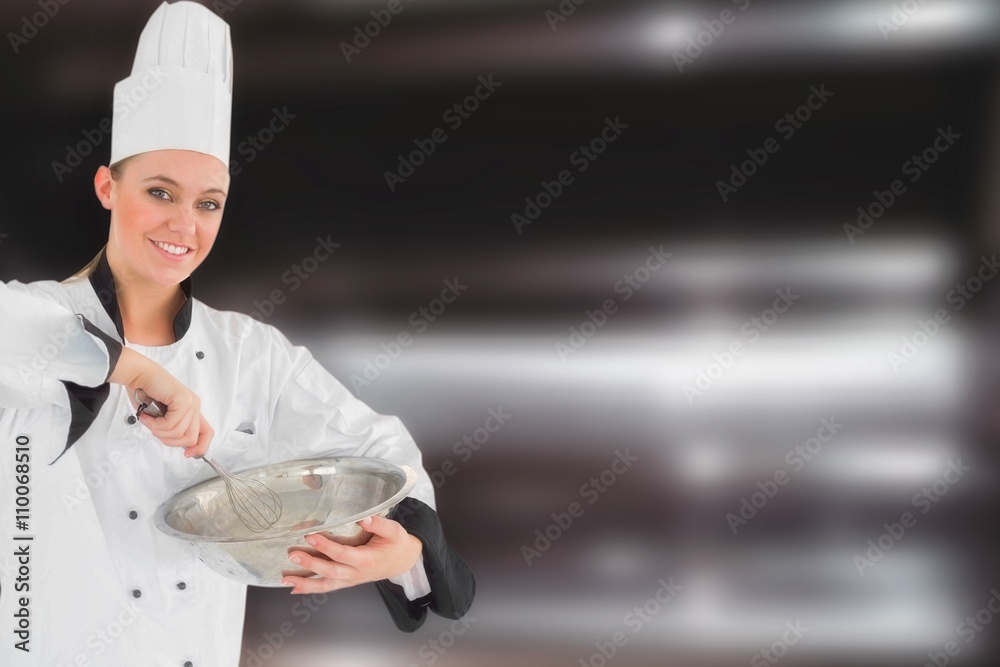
(160,521)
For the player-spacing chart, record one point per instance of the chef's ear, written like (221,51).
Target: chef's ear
(103,183)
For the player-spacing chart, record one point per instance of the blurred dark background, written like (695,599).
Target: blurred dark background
(829,356)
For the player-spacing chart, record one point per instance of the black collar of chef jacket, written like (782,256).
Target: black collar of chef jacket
(103,283)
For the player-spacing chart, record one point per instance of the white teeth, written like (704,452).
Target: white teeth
(172,249)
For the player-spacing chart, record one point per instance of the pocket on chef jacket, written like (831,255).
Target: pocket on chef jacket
(239,449)
(234,443)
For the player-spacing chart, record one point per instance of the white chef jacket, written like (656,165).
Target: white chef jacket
(106,587)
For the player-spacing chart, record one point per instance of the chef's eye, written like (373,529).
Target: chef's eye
(154,191)
(214,205)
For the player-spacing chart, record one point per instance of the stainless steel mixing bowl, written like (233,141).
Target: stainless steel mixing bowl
(324,495)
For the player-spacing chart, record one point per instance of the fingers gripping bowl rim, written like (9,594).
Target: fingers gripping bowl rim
(328,495)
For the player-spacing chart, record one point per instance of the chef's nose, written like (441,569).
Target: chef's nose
(183,222)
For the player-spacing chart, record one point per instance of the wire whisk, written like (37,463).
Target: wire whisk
(255,504)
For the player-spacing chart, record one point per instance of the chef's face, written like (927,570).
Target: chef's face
(166,208)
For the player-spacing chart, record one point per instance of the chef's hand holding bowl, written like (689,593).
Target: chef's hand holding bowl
(183,425)
(390,552)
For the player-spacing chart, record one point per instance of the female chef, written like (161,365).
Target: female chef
(85,576)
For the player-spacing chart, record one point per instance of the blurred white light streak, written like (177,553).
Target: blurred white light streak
(709,614)
(854,612)
(868,461)
(886,266)
(936,18)
(903,462)
(910,266)
(812,26)
(668,32)
(779,367)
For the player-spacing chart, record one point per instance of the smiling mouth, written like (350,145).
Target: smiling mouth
(178,250)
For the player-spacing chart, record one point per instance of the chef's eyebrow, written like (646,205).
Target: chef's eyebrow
(167,179)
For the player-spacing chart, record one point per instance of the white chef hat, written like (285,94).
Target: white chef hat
(180,92)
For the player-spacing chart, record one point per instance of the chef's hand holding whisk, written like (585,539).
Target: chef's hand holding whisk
(183,425)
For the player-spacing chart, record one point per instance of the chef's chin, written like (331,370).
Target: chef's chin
(170,272)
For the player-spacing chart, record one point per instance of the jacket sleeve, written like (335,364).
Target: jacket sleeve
(316,415)
(451,580)
(50,355)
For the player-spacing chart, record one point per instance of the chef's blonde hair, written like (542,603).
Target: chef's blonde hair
(117,169)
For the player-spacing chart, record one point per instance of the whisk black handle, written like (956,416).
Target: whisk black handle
(149,405)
